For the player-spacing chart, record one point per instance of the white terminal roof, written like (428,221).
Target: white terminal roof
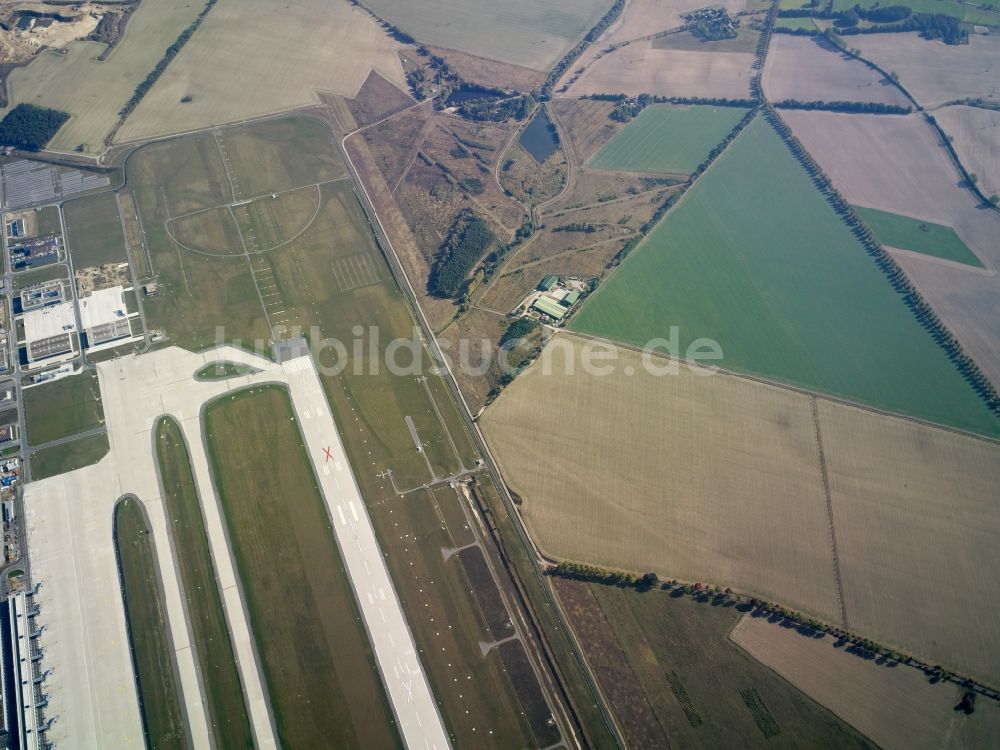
(49,321)
(102,307)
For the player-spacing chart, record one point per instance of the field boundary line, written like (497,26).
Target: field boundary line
(825,478)
(763,380)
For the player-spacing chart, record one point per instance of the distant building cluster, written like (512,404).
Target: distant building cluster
(553,298)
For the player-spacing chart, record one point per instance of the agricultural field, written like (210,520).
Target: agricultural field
(94,231)
(252,57)
(280,532)
(152,657)
(936,73)
(746,42)
(955,8)
(737,281)
(870,160)
(914,513)
(641,67)
(904,233)
(59,459)
(976,138)
(668,138)
(896,706)
(62,408)
(93,91)
(770,496)
(758,519)
(811,69)
(673,677)
(230,724)
(522,32)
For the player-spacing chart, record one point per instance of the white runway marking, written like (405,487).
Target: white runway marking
(340,512)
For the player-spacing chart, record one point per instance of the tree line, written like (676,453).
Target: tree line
(30,127)
(154,75)
(900,282)
(871,108)
(884,20)
(556,73)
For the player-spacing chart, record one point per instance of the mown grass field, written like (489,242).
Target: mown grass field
(94,231)
(210,634)
(159,695)
(674,679)
(320,672)
(93,91)
(522,32)
(919,236)
(668,138)
(70,456)
(62,408)
(754,258)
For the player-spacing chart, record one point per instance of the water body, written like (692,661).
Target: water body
(539,138)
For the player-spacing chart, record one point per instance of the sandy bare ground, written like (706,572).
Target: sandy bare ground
(896,707)
(807,69)
(252,57)
(976,134)
(935,72)
(641,68)
(713,479)
(897,164)
(718,479)
(918,535)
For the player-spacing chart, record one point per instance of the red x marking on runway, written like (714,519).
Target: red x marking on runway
(328,454)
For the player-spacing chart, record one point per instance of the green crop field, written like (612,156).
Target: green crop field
(94,231)
(670,671)
(316,659)
(754,258)
(58,459)
(62,408)
(210,634)
(794,23)
(532,33)
(919,236)
(668,138)
(159,697)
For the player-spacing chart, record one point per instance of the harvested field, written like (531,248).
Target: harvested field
(737,281)
(722,484)
(668,138)
(934,72)
(252,58)
(674,679)
(976,134)
(928,238)
(92,90)
(771,499)
(914,510)
(314,653)
(896,706)
(642,68)
(152,654)
(638,20)
(811,69)
(529,33)
(94,230)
